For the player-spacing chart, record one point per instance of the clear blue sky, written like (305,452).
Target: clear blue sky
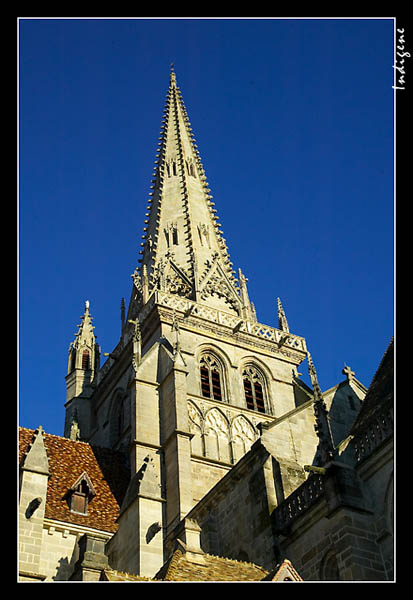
(294,123)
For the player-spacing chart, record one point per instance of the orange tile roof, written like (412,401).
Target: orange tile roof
(68,459)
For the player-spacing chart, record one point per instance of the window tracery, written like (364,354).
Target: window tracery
(211,377)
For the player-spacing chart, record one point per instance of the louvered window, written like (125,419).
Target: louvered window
(85,360)
(80,495)
(253,389)
(211,379)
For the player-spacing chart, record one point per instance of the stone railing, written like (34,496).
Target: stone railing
(298,502)
(376,431)
(189,307)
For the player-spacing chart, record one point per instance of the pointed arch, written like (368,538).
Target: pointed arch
(243,435)
(85,360)
(329,569)
(118,416)
(196,427)
(217,435)
(256,388)
(212,374)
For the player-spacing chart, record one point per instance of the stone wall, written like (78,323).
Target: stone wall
(339,547)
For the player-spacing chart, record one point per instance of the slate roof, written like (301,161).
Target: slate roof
(380,394)
(68,459)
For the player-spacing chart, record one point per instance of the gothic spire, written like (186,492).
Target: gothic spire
(183,250)
(84,352)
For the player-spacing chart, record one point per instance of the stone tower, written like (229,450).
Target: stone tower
(194,376)
(82,367)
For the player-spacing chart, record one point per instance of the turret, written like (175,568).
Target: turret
(83,365)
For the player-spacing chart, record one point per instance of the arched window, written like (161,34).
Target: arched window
(73,359)
(85,360)
(211,377)
(329,567)
(253,389)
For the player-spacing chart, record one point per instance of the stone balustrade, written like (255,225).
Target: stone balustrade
(298,502)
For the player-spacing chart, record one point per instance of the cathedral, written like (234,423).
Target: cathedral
(195,452)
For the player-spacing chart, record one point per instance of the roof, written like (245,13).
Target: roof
(213,568)
(283,572)
(380,393)
(112,575)
(68,460)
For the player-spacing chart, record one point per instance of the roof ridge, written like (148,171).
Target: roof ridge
(66,439)
(235,560)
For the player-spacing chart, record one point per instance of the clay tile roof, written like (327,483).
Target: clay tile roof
(283,572)
(68,459)
(215,568)
(111,575)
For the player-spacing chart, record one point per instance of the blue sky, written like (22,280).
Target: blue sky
(294,123)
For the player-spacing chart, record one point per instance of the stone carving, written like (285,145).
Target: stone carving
(171,234)
(217,436)
(242,430)
(243,436)
(203,232)
(168,277)
(176,284)
(216,422)
(195,417)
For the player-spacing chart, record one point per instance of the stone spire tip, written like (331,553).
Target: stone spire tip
(172,76)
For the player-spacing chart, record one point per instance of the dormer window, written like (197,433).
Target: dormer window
(80,494)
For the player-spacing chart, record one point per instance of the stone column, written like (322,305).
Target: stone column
(92,558)
(176,444)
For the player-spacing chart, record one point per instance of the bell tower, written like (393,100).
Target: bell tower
(194,376)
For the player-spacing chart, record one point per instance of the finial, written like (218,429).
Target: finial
(172,75)
(74,427)
(322,423)
(87,303)
(282,319)
(348,372)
